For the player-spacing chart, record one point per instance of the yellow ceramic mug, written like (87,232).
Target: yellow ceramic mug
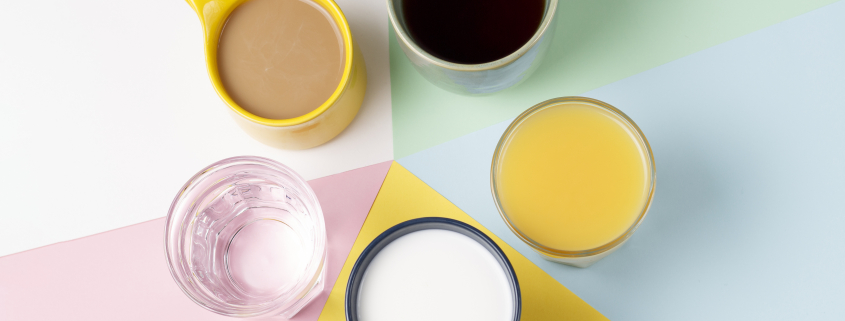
(312,129)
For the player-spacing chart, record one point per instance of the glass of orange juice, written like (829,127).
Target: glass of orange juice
(573,177)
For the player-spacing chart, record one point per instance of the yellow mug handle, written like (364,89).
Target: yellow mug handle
(212,14)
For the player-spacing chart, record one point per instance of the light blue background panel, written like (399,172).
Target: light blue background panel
(748,220)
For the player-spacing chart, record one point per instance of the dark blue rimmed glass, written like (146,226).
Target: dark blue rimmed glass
(426,223)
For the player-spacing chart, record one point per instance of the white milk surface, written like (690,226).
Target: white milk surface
(435,275)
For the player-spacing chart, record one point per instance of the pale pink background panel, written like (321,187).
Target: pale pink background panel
(121,274)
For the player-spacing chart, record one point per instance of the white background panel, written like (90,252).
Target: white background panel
(106,110)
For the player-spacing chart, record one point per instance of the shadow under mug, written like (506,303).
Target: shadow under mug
(312,129)
(476,79)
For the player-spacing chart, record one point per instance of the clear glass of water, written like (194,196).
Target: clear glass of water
(245,237)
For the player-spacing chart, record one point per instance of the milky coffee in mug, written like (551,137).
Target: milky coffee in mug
(289,70)
(280,59)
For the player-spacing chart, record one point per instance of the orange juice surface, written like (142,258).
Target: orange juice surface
(573,176)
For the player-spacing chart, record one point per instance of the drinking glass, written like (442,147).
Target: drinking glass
(245,237)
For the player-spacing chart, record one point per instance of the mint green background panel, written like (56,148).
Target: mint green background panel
(597,42)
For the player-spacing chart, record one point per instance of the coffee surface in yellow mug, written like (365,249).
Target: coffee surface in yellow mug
(573,176)
(280,59)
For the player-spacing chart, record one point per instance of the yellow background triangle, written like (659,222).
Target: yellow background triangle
(403,197)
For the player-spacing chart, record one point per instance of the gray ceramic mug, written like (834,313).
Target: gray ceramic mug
(476,79)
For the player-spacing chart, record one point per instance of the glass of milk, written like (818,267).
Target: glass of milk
(433,268)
